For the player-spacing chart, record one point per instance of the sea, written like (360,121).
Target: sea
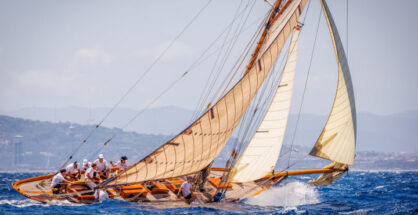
(357,192)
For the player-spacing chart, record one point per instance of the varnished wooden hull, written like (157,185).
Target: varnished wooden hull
(156,192)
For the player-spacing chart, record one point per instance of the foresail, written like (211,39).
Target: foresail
(198,145)
(261,155)
(338,138)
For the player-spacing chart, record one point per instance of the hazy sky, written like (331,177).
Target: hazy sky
(88,53)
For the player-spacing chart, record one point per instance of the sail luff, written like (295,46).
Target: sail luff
(338,138)
(177,155)
(261,154)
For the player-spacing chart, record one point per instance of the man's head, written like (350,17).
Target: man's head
(101,157)
(85,162)
(123,159)
(63,170)
(93,165)
(75,165)
(189,179)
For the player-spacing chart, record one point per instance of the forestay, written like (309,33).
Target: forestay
(338,138)
(198,145)
(261,155)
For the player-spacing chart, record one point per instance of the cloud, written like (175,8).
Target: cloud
(177,50)
(46,154)
(45,80)
(92,56)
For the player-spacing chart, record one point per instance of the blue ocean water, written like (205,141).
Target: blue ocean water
(355,193)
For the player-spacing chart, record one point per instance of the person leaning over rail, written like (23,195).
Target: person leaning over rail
(58,182)
(121,165)
(86,165)
(185,190)
(102,167)
(92,175)
(73,172)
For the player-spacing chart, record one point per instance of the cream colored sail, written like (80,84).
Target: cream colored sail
(198,145)
(337,141)
(261,155)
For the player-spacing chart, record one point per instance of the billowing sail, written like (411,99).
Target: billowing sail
(337,141)
(261,155)
(198,145)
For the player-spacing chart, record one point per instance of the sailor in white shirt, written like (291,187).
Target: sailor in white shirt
(122,165)
(92,175)
(73,171)
(101,195)
(185,190)
(57,182)
(86,165)
(102,167)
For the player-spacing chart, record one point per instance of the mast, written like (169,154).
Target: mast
(337,141)
(199,144)
(261,154)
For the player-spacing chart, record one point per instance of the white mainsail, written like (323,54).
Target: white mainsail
(260,156)
(337,141)
(198,145)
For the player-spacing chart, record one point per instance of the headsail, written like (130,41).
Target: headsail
(199,144)
(338,138)
(261,155)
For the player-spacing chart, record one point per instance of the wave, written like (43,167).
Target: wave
(290,196)
(363,211)
(30,203)
(21,203)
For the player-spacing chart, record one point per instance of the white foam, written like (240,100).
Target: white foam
(379,187)
(64,203)
(21,203)
(357,211)
(289,196)
(30,202)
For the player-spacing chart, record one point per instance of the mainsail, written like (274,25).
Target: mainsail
(198,145)
(338,138)
(261,155)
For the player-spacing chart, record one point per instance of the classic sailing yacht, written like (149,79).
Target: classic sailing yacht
(158,176)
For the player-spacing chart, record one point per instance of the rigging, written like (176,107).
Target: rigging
(135,84)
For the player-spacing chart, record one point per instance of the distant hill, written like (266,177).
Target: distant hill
(162,120)
(28,144)
(389,133)
(36,145)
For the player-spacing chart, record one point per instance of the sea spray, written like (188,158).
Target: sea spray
(21,203)
(291,194)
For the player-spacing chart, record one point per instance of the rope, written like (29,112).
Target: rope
(136,82)
(347,28)
(304,89)
(215,73)
(140,113)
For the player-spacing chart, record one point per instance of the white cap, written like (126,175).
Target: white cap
(101,156)
(85,161)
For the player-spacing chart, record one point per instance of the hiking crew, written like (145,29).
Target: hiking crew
(185,190)
(121,165)
(102,167)
(58,182)
(73,172)
(92,175)
(86,165)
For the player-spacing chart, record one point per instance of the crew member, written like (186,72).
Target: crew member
(102,167)
(92,175)
(122,165)
(58,182)
(101,195)
(86,165)
(73,172)
(185,190)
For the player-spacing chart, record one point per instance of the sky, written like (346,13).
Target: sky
(89,53)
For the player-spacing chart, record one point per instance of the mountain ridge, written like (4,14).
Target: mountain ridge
(386,133)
